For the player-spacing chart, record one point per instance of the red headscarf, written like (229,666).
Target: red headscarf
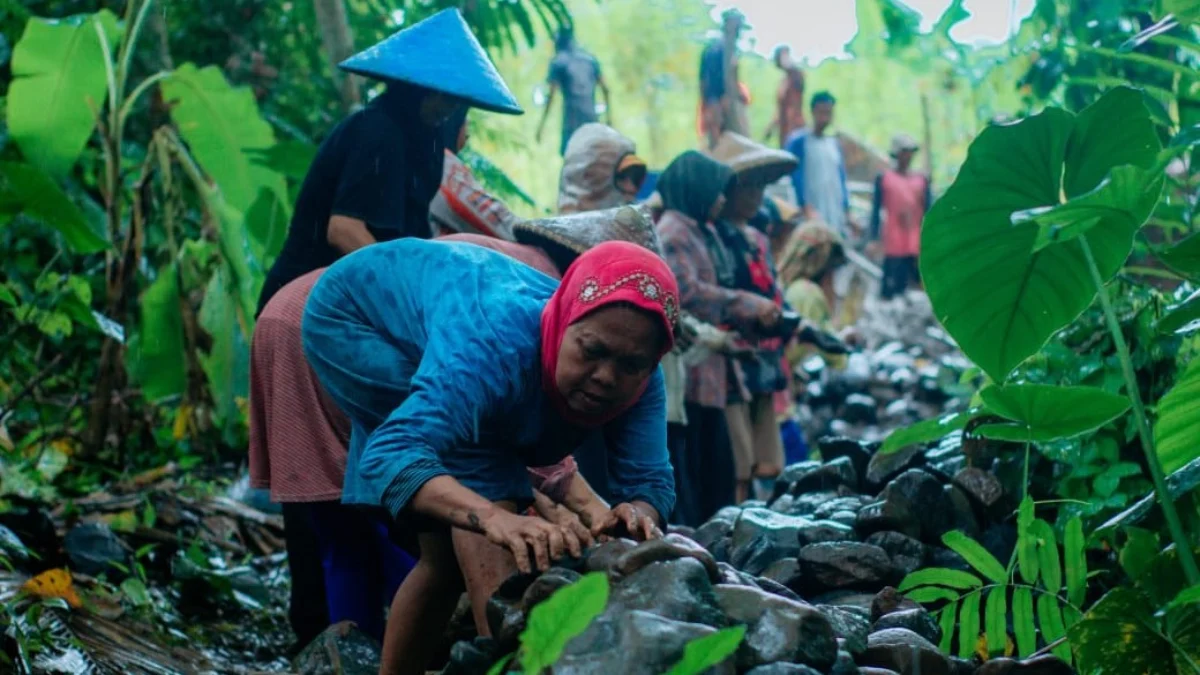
(614,271)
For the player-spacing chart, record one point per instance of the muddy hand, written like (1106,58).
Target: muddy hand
(523,535)
(637,523)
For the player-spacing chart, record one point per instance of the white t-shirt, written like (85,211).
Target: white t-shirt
(823,182)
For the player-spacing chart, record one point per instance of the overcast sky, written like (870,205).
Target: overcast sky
(817,29)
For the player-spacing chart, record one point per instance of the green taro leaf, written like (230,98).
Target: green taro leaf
(1023,622)
(968,625)
(1075,561)
(940,576)
(995,615)
(7,297)
(1046,412)
(1050,619)
(927,594)
(59,87)
(288,158)
(1187,596)
(38,195)
(267,225)
(1048,563)
(1120,634)
(221,125)
(1184,256)
(975,554)
(1139,552)
(711,650)
(1182,317)
(1129,193)
(947,619)
(227,364)
(161,366)
(925,431)
(1027,557)
(563,616)
(1178,419)
(1003,306)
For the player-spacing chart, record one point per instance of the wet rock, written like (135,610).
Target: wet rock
(853,600)
(676,589)
(944,557)
(547,585)
(888,515)
(906,553)
(633,643)
(733,576)
(849,624)
(93,549)
(11,546)
(826,510)
(1038,665)
(721,550)
(847,518)
(33,526)
(844,664)
(782,503)
(783,669)
(828,476)
(876,671)
(603,557)
(341,650)
(784,571)
(776,588)
(889,600)
(670,547)
(503,616)
(762,537)
(777,629)
(823,531)
(882,468)
(682,530)
(1000,540)
(860,409)
(946,469)
(836,447)
(918,621)
(904,652)
(984,490)
(718,527)
(961,666)
(962,510)
(845,565)
(472,657)
(921,495)
(808,504)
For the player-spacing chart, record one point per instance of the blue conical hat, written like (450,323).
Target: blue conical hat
(442,54)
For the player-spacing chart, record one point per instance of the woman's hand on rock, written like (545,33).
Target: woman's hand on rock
(637,522)
(523,534)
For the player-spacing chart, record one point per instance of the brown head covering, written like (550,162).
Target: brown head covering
(565,237)
(752,162)
(813,248)
(594,156)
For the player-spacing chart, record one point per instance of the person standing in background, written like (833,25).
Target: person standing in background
(820,176)
(789,99)
(723,98)
(905,196)
(577,73)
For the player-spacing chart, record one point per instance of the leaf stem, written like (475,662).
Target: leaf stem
(1186,560)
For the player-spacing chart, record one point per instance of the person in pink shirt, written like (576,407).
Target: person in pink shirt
(903,196)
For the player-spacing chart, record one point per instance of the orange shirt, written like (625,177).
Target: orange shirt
(790,105)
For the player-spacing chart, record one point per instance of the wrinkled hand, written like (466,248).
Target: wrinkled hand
(521,534)
(767,313)
(563,517)
(636,522)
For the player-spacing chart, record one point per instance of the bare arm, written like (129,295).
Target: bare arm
(348,234)
(546,110)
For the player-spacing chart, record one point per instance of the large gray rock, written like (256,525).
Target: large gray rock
(341,650)
(845,565)
(906,553)
(472,657)
(762,537)
(603,557)
(850,503)
(889,600)
(904,652)
(984,490)
(809,503)
(783,571)
(918,621)
(670,547)
(718,527)
(632,643)
(828,476)
(677,589)
(777,629)
(836,447)
(825,530)
(962,511)
(1038,665)
(922,495)
(849,624)
(883,468)
(94,549)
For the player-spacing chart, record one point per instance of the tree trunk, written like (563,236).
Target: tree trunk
(339,45)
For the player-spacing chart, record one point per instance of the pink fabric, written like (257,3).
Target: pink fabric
(614,271)
(904,202)
(297,436)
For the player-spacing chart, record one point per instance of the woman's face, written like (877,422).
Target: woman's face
(437,107)
(717,207)
(745,201)
(627,187)
(606,358)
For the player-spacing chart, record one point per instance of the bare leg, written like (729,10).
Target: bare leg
(484,567)
(422,608)
(741,437)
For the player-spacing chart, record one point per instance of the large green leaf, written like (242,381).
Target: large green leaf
(1120,634)
(1046,412)
(1050,619)
(995,614)
(267,224)
(703,653)
(564,615)
(1049,565)
(1184,256)
(162,368)
(1023,622)
(925,431)
(968,625)
(221,125)
(1128,194)
(1182,317)
(1075,561)
(227,364)
(999,298)
(59,87)
(1178,419)
(940,576)
(1027,558)
(975,554)
(947,620)
(33,191)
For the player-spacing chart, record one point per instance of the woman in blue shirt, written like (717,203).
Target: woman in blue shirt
(456,382)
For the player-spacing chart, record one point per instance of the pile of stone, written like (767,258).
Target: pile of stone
(811,573)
